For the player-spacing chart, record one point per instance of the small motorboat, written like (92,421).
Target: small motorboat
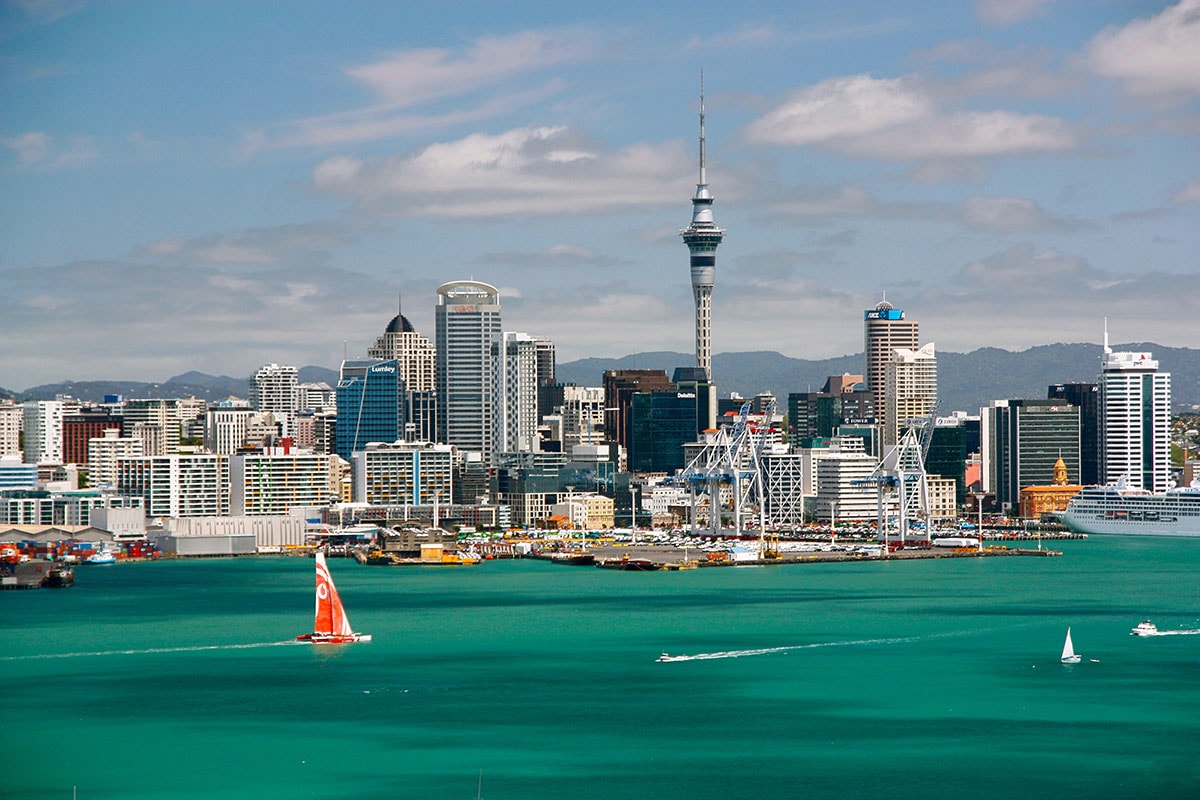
(1144,628)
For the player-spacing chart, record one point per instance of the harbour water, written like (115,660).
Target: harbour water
(937,679)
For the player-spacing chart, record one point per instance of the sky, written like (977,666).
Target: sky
(221,185)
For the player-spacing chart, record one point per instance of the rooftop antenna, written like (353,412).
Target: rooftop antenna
(703,176)
(1107,349)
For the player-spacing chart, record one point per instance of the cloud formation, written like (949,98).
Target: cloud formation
(1156,58)
(899,119)
(536,170)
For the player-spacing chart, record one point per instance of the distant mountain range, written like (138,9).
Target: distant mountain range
(966,380)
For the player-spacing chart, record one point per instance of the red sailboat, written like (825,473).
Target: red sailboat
(331,626)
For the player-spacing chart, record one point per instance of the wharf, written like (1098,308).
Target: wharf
(673,558)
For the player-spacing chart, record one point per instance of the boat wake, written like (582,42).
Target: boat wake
(762,651)
(147,650)
(1191,632)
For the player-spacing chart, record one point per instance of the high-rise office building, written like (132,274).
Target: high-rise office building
(105,451)
(10,427)
(702,237)
(885,328)
(156,421)
(620,385)
(417,361)
(910,389)
(370,401)
(468,327)
(83,426)
(274,388)
(1087,397)
(1135,420)
(1022,441)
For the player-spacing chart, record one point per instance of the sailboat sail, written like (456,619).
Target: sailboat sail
(331,624)
(1068,653)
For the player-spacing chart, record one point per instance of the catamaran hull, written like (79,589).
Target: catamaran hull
(322,638)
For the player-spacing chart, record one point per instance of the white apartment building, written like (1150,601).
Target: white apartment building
(910,389)
(225,429)
(1135,421)
(582,416)
(274,388)
(178,485)
(516,391)
(315,397)
(104,453)
(272,484)
(11,420)
(43,427)
(404,474)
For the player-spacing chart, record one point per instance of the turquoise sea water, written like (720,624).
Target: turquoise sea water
(932,679)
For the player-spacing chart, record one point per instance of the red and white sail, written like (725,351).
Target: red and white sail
(331,624)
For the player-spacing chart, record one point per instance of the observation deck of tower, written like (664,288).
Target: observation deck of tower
(702,238)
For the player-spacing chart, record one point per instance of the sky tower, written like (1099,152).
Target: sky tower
(702,238)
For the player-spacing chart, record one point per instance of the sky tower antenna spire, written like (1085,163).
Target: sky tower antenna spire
(702,238)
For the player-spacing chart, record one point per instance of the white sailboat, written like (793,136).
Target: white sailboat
(1068,653)
(331,625)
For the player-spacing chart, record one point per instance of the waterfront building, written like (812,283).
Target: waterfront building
(783,475)
(43,425)
(404,474)
(11,416)
(61,507)
(177,485)
(1022,441)
(103,453)
(702,237)
(885,328)
(1087,397)
(584,510)
(838,471)
(274,388)
(273,483)
(1135,420)
(468,328)
(620,385)
(515,360)
(1039,500)
(661,423)
(910,389)
(370,402)
(947,455)
(232,535)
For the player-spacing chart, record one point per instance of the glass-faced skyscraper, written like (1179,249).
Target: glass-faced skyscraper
(370,403)
(468,330)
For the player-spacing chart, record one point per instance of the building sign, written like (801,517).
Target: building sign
(465,309)
(886,313)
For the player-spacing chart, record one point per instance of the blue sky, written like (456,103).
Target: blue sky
(216,186)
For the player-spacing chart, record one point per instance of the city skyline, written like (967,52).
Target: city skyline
(1007,172)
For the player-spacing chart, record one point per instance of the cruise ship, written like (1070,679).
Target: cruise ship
(1118,510)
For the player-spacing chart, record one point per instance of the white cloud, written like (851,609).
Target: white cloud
(408,80)
(1189,193)
(898,120)
(1027,269)
(1002,13)
(1013,215)
(547,170)
(1156,57)
(291,245)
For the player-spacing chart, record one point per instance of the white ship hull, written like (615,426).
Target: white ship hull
(1116,511)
